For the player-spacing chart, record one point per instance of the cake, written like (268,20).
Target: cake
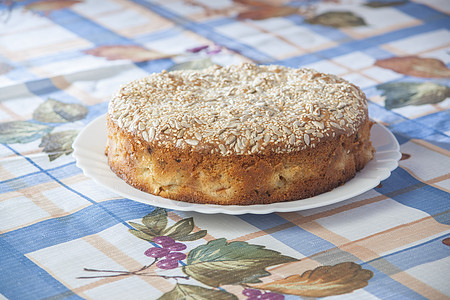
(238,135)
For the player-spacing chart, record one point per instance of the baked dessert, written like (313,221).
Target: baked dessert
(243,134)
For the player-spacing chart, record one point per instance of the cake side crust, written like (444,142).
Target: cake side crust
(259,178)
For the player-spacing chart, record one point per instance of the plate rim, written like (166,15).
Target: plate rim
(385,167)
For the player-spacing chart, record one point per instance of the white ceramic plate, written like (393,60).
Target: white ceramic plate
(89,149)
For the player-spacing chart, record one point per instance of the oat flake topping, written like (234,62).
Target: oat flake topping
(241,109)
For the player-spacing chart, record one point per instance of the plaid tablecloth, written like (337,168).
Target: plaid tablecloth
(64,236)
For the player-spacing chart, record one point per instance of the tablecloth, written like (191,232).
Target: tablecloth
(65,236)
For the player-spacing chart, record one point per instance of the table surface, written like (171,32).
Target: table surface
(65,236)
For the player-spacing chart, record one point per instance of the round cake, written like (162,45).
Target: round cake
(243,134)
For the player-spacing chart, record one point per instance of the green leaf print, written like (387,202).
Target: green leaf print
(180,229)
(186,292)
(193,236)
(53,111)
(197,64)
(155,224)
(322,281)
(58,143)
(399,94)
(156,221)
(22,132)
(141,235)
(380,4)
(219,262)
(337,19)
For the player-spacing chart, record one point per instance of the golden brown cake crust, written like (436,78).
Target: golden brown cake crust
(240,180)
(238,135)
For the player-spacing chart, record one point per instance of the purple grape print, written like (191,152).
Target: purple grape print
(271,296)
(251,292)
(176,256)
(167,264)
(164,241)
(157,252)
(176,247)
(254,294)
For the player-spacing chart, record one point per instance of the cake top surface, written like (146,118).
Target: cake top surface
(240,109)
